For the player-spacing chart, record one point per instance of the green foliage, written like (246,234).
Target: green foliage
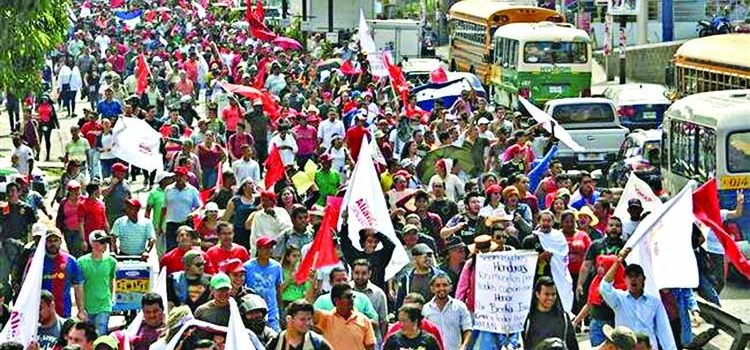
(29,30)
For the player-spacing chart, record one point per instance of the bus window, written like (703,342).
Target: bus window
(738,152)
(707,153)
(513,52)
(682,148)
(499,51)
(555,52)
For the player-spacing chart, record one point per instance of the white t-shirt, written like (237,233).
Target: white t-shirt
(628,227)
(327,129)
(287,156)
(24,154)
(246,169)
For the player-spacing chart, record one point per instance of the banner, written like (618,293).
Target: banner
(137,143)
(24,316)
(504,285)
(556,243)
(550,125)
(663,241)
(366,207)
(638,189)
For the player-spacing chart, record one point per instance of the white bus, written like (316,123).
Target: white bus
(707,135)
(540,61)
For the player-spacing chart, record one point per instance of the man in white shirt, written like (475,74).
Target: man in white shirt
(285,142)
(23,155)
(328,128)
(246,167)
(454,187)
(635,209)
(271,221)
(102,42)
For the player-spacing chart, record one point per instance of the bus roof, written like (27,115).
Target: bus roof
(484,9)
(729,108)
(542,30)
(727,49)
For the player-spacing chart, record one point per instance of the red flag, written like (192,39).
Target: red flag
(706,209)
(322,252)
(263,35)
(116,3)
(348,69)
(260,79)
(398,81)
(274,168)
(141,74)
(260,14)
(438,76)
(271,106)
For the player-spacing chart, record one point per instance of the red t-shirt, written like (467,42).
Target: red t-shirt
(191,68)
(578,244)
(92,212)
(232,116)
(172,260)
(426,325)
(90,131)
(354,138)
(216,255)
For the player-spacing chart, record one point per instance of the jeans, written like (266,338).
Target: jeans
(74,242)
(106,166)
(596,332)
(707,290)
(95,169)
(101,322)
(209,177)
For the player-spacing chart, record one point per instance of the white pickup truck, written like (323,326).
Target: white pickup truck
(593,123)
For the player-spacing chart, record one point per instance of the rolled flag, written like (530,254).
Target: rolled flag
(21,326)
(348,69)
(322,252)
(142,72)
(130,18)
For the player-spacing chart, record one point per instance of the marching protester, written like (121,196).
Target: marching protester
(304,182)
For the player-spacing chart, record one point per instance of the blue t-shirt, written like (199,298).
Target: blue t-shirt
(265,280)
(59,275)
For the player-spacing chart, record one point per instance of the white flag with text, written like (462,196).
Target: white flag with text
(367,44)
(137,143)
(636,188)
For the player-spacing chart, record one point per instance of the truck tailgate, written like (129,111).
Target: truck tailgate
(597,143)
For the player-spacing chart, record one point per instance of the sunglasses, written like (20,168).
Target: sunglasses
(199,264)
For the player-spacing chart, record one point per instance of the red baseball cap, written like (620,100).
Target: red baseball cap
(133,202)
(268,195)
(181,171)
(493,189)
(265,242)
(119,167)
(232,266)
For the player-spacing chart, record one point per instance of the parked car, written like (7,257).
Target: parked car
(639,153)
(639,106)
(593,124)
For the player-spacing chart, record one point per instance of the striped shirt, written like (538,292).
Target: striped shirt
(132,236)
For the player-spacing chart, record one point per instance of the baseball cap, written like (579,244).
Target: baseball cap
(220,280)
(421,249)
(454,242)
(634,269)
(211,206)
(268,195)
(98,236)
(265,242)
(181,171)
(493,189)
(38,229)
(160,176)
(483,121)
(252,302)
(233,265)
(133,202)
(635,202)
(621,336)
(73,185)
(107,340)
(54,231)
(409,228)
(119,167)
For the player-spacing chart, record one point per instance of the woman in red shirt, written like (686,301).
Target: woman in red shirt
(578,243)
(210,155)
(47,118)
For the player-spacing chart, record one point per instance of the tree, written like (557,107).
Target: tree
(29,30)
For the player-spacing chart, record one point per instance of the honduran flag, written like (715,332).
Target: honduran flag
(130,18)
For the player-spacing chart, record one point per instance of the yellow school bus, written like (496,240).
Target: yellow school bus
(713,63)
(473,24)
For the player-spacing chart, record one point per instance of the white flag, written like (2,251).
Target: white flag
(367,44)
(199,10)
(638,189)
(556,243)
(548,124)
(237,336)
(160,288)
(24,317)
(137,143)
(366,208)
(662,241)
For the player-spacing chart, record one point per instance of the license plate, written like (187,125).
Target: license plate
(555,89)
(649,115)
(588,157)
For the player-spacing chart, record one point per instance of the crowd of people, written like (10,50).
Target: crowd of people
(220,233)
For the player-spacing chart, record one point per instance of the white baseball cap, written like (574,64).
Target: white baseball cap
(38,229)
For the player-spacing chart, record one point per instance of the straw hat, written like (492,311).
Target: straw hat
(586,210)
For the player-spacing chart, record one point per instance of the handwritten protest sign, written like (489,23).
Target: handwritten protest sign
(504,283)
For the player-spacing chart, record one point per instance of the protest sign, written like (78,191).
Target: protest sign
(504,286)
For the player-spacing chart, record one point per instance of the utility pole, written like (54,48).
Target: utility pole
(623,44)
(642,22)
(330,16)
